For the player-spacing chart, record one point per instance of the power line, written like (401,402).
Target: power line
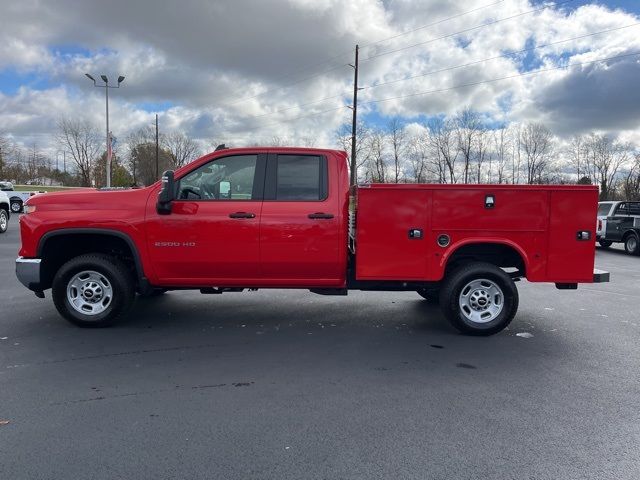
(477,27)
(455,67)
(493,80)
(504,55)
(407,32)
(453,17)
(299,118)
(298,106)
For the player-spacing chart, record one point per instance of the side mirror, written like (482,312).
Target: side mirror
(167,193)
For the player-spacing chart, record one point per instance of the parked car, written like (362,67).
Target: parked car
(16,199)
(619,222)
(252,218)
(4,212)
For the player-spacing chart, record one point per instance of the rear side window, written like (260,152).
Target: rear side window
(634,208)
(622,209)
(301,178)
(603,209)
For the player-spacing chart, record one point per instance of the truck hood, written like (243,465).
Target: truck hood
(92,199)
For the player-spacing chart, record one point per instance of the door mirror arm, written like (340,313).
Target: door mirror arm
(167,193)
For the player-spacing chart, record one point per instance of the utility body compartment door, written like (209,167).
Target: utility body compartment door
(393,231)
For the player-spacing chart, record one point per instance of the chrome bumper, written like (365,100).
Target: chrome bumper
(28,272)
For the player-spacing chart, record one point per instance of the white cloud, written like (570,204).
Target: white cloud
(202,57)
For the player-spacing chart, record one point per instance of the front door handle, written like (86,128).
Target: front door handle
(320,216)
(242,215)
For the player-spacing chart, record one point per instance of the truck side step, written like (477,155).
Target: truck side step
(217,291)
(329,291)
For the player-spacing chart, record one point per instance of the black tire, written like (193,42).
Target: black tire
(4,220)
(431,295)
(116,274)
(16,205)
(604,243)
(631,244)
(461,278)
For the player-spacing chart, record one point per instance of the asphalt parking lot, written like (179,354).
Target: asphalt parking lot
(287,384)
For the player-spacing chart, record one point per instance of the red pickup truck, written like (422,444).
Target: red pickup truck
(253,218)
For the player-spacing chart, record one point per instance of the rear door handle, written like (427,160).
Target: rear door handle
(242,215)
(320,216)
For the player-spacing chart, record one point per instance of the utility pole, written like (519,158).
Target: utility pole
(157,162)
(354,172)
(106,87)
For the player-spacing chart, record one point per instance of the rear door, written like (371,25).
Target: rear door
(616,222)
(300,229)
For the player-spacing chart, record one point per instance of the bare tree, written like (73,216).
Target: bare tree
(82,141)
(443,143)
(536,144)
(418,154)
(397,139)
(631,185)
(603,160)
(467,124)
(183,148)
(376,166)
(363,134)
(501,147)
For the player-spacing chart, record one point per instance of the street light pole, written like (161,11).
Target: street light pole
(106,87)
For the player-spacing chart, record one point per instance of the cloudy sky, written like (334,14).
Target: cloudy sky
(245,71)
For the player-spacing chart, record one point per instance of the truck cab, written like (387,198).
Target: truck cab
(269,217)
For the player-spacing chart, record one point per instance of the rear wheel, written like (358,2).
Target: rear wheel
(479,299)
(93,290)
(604,243)
(631,244)
(16,205)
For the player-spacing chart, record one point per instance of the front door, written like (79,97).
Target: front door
(211,236)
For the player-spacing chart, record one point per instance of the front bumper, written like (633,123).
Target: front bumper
(28,272)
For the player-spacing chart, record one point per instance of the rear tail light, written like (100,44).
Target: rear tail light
(599,225)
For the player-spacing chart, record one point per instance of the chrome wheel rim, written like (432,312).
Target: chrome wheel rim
(89,292)
(632,244)
(481,300)
(15,207)
(3,220)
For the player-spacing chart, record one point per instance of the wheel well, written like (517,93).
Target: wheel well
(56,250)
(500,255)
(628,233)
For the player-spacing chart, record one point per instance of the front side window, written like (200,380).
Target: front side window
(228,178)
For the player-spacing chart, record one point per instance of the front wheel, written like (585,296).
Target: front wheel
(605,243)
(4,220)
(93,290)
(479,299)
(631,244)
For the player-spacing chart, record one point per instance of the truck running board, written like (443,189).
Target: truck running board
(329,291)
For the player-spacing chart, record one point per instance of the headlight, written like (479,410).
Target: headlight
(29,208)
